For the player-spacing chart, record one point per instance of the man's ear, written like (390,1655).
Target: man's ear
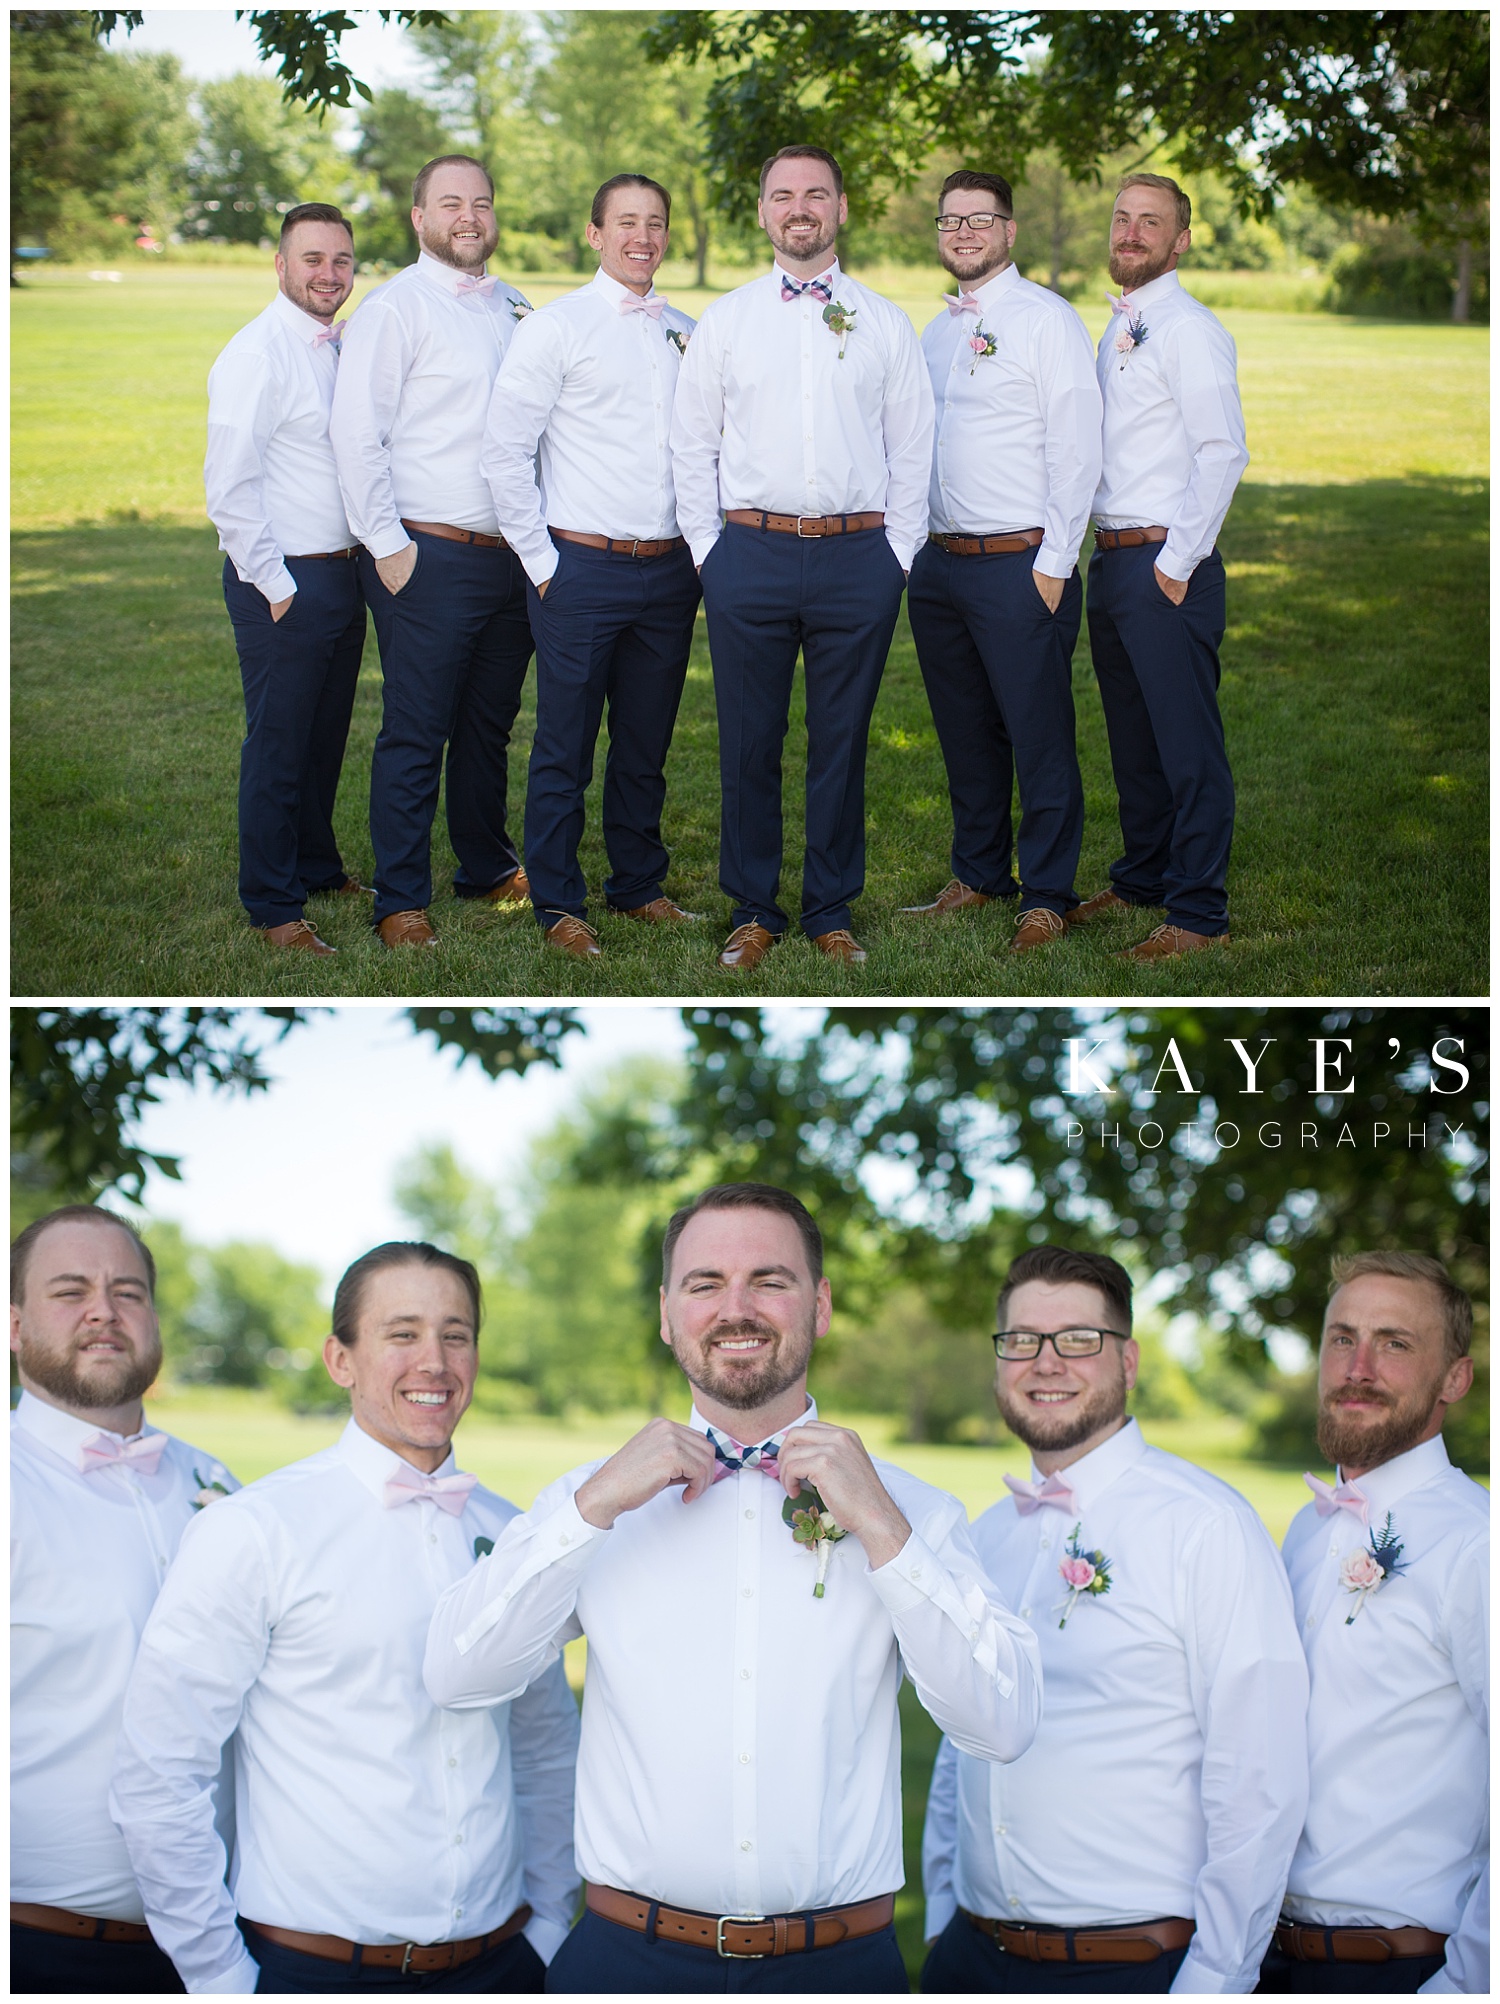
(337,1362)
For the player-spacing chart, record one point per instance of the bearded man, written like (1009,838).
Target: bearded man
(1389,1564)
(1142,1842)
(99,1501)
(447,594)
(739,1772)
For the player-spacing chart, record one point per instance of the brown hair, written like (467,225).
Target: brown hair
(804,153)
(969,179)
(348,1297)
(1060,1264)
(1457,1308)
(746,1197)
(601,199)
(1184,206)
(314,212)
(81,1214)
(425,174)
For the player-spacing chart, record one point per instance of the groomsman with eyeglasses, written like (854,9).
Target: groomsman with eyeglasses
(1390,1572)
(1142,1841)
(995,600)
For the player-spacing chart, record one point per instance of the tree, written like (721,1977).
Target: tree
(256,157)
(398,133)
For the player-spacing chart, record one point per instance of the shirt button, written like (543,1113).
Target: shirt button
(916,1572)
(746,1845)
(750,1513)
(1014,1901)
(1026,1613)
(999,1829)
(748,1592)
(1046,1544)
(432,1537)
(565,1537)
(459,1838)
(458,1913)
(745,1674)
(452,1762)
(744,1760)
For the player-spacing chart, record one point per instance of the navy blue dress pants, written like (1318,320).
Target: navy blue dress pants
(963,1959)
(603,1957)
(614,632)
(59,1965)
(1285,1974)
(998,669)
(512,1967)
(299,674)
(1158,670)
(454,648)
(767,595)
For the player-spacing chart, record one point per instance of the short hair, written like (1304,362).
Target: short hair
(1058,1265)
(969,178)
(349,1295)
(1457,1307)
(313,212)
(804,153)
(746,1197)
(601,198)
(80,1214)
(1184,206)
(425,174)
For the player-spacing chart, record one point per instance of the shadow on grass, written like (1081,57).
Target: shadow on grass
(1355,695)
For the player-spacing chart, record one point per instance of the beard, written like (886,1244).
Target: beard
(1137,268)
(1054,1429)
(64,1379)
(970,267)
(438,243)
(744,1386)
(300,293)
(1366,1443)
(815,246)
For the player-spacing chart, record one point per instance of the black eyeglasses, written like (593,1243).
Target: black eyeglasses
(1018,1346)
(979,222)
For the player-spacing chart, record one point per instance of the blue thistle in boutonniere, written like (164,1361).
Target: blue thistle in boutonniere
(1367,1568)
(677,338)
(814,1527)
(1082,1572)
(1129,337)
(983,346)
(841,319)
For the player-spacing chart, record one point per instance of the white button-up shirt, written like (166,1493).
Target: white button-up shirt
(88,1554)
(776,411)
(294,1621)
(1398,1726)
(589,389)
(419,360)
(1169,1775)
(741,1750)
(268,475)
(1017,443)
(1174,433)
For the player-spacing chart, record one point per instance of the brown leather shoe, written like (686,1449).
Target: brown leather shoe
(406,929)
(840,945)
(1038,927)
(660,911)
(298,935)
(1169,940)
(953,897)
(572,935)
(745,948)
(1099,906)
(511,890)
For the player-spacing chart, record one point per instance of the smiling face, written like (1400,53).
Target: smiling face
(85,1332)
(741,1312)
(801,212)
(456,222)
(1062,1407)
(410,1371)
(1144,240)
(1385,1380)
(315,268)
(632,240)
(973,255)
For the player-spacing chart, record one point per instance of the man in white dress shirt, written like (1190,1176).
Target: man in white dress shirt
(1390,1572)
(1174,450)
(995,600)
(98,1502)
(739,1787)
(448,597)
(1142,1843)
(380,1844)
(290,580)
(576,454)
(801,445)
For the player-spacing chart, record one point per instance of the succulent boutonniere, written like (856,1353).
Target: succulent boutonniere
(983,346)
(677,338)
(814,1527)
(1082,1572)
(519,309)
(840,319)
(209,1490)
(1368,1567)
(483,1546)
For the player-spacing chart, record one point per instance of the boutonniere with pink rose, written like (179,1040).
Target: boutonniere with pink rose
(813,1526)
(519,309)
(210,1489)
(1129,337)
(841,319)
(1081,1572)
(1367,1568)
(982,345)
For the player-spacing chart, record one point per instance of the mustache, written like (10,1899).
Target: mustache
(1372,1396)
(746,1326)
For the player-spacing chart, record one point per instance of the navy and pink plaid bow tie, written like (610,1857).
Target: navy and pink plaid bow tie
(732,1455)
(792,288)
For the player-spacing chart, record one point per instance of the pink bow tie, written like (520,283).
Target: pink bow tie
(1120,305)
(634,303)
(329,333)
(1330,1498)
(482,287)
(410,1485)
(1032,1495)
(962,302)
(144,1453)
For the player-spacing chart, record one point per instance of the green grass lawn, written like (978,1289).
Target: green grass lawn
(1354,693)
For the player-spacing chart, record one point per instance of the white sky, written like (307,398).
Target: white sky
(211,43)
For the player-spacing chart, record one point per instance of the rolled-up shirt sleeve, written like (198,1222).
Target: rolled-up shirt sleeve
(373,363)
(543,1756)
(1201,367)
(525,393)
(940,1842)
(697,438)
(906,421)
(242,415)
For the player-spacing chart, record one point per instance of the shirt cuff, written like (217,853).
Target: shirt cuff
(387,542)
(542,569)
(1195,1978)
(1054,563)
(700,547)
(275,589)
(1172,564)
(940,1910)
(904,551)
(545,1936)
(911,1578)
(238,1981)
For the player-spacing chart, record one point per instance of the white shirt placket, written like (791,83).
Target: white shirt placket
(809,441)
(653,333)
(744,1758)
(149,1521)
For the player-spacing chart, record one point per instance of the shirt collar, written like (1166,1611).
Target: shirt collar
(700,1425)
(995,287)
(303,324)
(1393,1479)
(1159,288)
(444,276)
(830,276)
(371,1463)
(612,288)
(1092,1473)
(60,1431)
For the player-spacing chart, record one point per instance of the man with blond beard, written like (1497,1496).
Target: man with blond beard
(1389,1564)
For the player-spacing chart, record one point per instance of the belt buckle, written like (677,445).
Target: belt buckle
(808,536)
(730,1954)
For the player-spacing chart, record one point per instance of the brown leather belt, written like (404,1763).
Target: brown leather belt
(87,1927)
(742,1937)
(410,1957)
(618,547)
(1141,1941)
(804,525)
(447,531)
(320,556)
(1127,539)
(1356,1944)
(989,546)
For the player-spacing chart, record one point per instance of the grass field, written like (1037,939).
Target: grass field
(1354,692)
(251,1435)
